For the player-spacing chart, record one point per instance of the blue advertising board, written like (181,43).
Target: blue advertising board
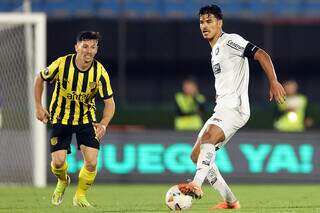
(164,156)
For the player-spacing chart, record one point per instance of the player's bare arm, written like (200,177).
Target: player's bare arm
(108,112)
(276,90)
(41,113)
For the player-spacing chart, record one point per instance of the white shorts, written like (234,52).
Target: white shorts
(228,120)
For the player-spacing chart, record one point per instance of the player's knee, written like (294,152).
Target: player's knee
(91,168)
(205,137)
(58,163)
(91,165)
(213,135)
(213,139)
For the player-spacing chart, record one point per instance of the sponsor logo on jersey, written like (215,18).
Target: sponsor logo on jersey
(235,45)
(216,68)
(82,97)
(54,141)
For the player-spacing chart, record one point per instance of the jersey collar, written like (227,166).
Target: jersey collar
(75,66)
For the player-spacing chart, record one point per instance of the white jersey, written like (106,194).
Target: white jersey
(231,71)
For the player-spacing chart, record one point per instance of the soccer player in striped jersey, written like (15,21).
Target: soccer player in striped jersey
(78,78)
(229,59)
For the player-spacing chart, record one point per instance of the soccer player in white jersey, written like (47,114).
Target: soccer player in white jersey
(230,53)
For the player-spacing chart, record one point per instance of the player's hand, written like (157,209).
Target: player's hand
(277,92)
(100,130)
(42,114)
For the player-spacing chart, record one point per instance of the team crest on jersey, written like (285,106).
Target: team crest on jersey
(217,51)
(92,85)
(54,141)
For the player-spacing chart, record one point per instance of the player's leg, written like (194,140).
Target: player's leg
(86,176)
(59,165)
(59,168)
(212,136)
(218,183)
(204,151)
(60,144)
(89,147)
(215,179)
(231,121)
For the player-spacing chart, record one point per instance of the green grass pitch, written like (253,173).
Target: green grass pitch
(149,198)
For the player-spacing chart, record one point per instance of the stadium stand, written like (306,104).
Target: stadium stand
(166,8)
(107,7)
(144,8)
(311,7)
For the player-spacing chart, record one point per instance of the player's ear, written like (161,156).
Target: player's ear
(220,23)
(76,47)
(97,45)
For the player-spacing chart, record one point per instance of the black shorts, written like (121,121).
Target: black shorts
(61,135)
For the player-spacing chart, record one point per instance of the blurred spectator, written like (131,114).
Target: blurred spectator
(291,114)
(189,107)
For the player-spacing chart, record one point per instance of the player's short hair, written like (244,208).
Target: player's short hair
(88,35)
(211,9)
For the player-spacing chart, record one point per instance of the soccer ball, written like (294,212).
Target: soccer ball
(176,200)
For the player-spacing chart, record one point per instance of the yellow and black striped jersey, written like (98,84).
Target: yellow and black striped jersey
(73,99)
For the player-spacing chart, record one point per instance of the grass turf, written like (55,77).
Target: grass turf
(149,198)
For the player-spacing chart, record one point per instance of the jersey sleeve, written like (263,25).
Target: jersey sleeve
(50,73)
(105,89)
(236,45)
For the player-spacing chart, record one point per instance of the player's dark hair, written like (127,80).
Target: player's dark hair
(211,9)
(88,35)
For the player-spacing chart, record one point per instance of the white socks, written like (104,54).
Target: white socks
(217,182)
(205,159)
(206,168)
